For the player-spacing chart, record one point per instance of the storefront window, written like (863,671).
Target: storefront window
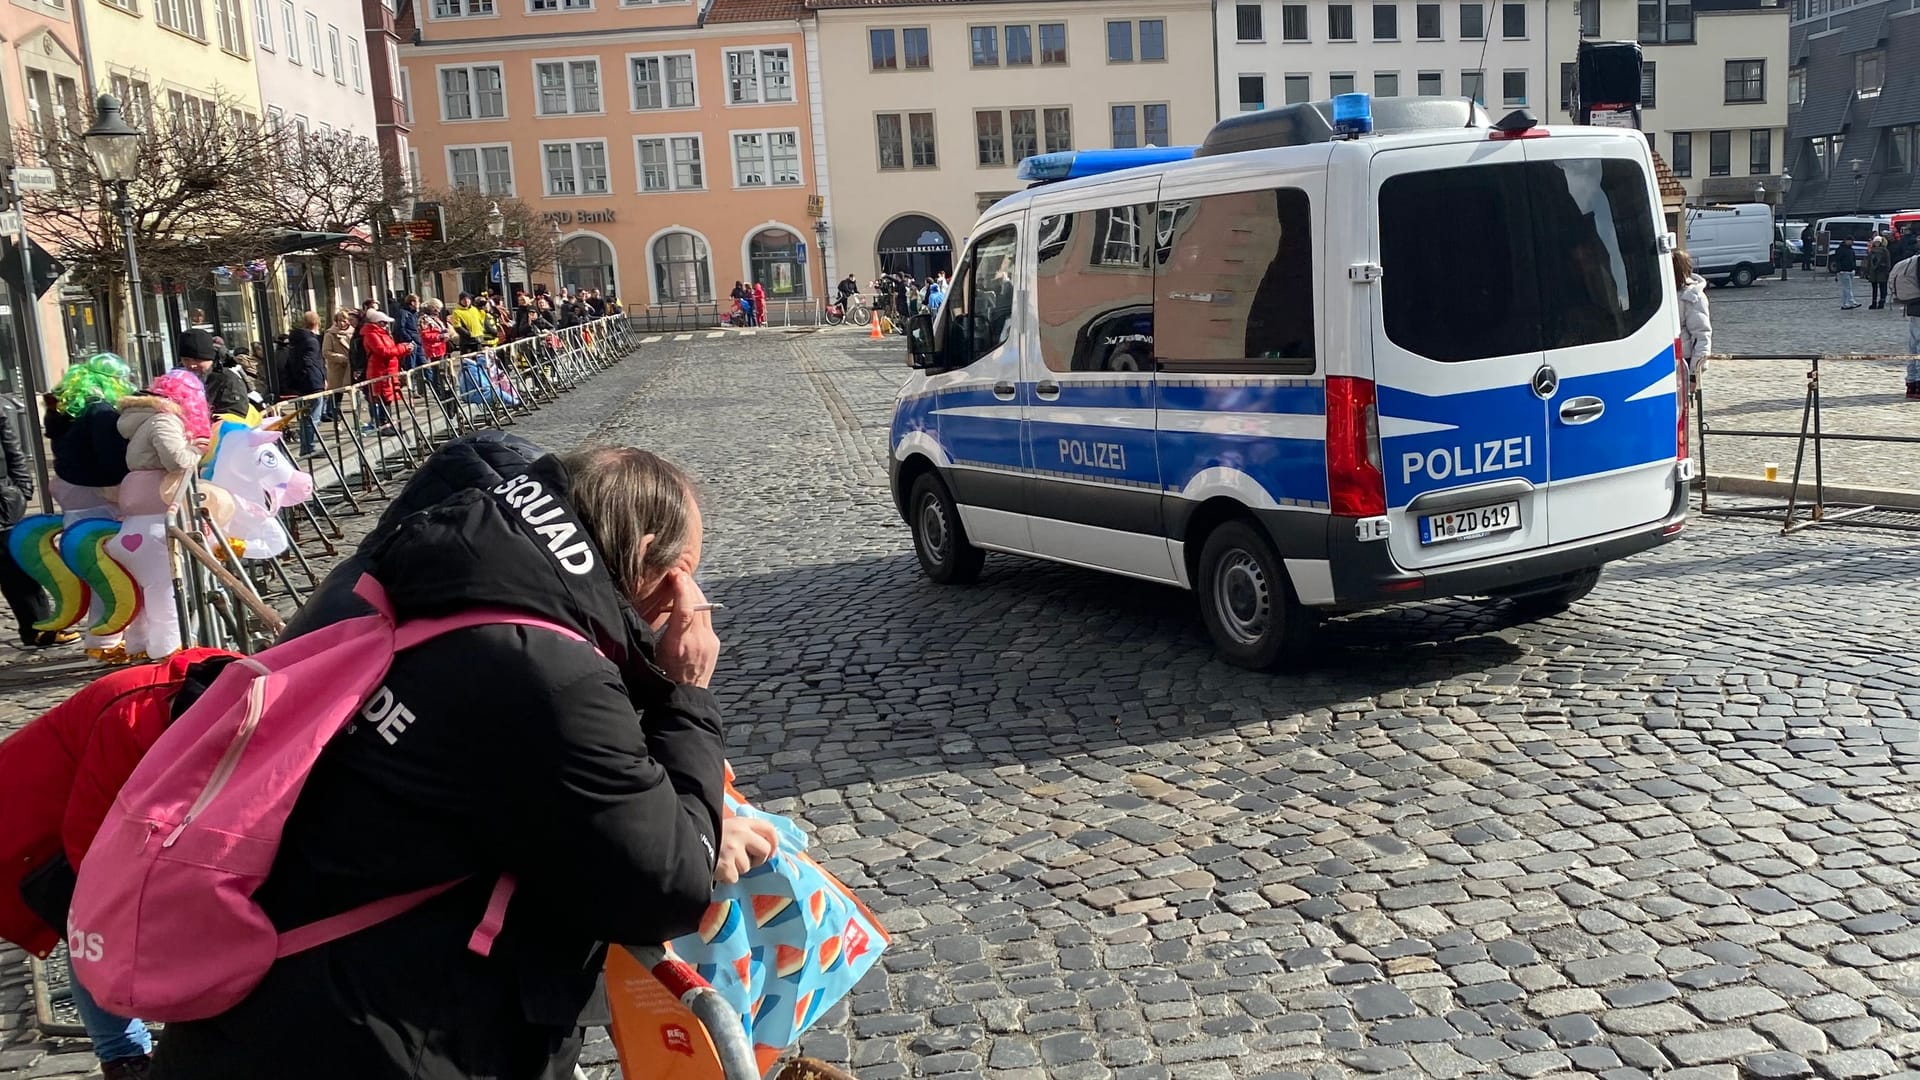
(774,255)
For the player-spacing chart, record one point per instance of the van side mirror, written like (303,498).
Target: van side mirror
(922,352)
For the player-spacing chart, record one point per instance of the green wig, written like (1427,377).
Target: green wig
(100,377)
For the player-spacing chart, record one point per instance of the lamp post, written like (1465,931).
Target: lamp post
(408,205)
(1859,186)
(115,150)
(497,228)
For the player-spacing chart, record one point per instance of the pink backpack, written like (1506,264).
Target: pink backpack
(164,925)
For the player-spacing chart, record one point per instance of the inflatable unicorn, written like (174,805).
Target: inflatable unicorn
(123,568)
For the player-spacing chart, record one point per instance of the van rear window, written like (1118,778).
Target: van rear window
(1494,260)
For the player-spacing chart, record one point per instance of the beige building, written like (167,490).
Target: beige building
(934,103)
(1713,89)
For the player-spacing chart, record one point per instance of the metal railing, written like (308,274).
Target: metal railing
(796,313)
(1805,493)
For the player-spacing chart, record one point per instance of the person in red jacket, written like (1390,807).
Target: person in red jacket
(383,367)
(58,779)
(759,304)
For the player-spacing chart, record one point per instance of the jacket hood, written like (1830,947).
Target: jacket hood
(138,410)
(517,544)
(1695,291)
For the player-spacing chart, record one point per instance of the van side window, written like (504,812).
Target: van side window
(1095,289)
(978,313)
(1234,289)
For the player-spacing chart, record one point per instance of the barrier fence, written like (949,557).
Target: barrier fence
(1807,489)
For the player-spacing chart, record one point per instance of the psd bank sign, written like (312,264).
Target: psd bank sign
(582,217)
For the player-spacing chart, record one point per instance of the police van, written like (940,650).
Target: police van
(1298,371)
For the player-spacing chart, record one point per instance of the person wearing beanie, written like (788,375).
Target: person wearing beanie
(226,388)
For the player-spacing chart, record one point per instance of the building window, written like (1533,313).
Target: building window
(1246,23)
(1567,102)
(1513,87)
(1253,93)
(263,25)
(776,261)
(1759,152)
(892,141)
(766,158)
(1746,81)
(181,15)
(1681,159)
(755,76)
(353,70)
(568,86)
(1649,84)
(333,53)
(1426,22)
(1869,73)
(1339,22)
(906,141)
(486,169)
(1297,88)
(1125,127)
(1340,84)
(538,6)
(1719,153)
(456,9)
(1386,22)
(1796,86)
(314,49)
(1589,18)
(920,140)
(406,95)
(1059,130)
(1900,147)
(882,53)
(1668,22)
(1473,84)
(671,163)
(1427,84)
(681,274)
(1019,46)
(1152,41)
(1053,43)
(231,26)
(1513,21)
(1119,42)
(1386,84)
(473,93)
(983,43)
(990,139)
(1024,127)
(1140,125)
(290,28)
(576,168)
(1293,22)
(1473,22)
(663,82)
(913,42)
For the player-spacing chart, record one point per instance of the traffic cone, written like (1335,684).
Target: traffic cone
(874,333)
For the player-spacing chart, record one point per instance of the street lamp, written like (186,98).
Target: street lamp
(497,228)
(1859,186)
(115,150)
(407,207)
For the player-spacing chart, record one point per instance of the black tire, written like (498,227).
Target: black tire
(1246,599)
(1743,276)
(1559,595)
(939,538)
(831,317)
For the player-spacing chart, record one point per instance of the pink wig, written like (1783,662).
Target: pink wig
(184,389)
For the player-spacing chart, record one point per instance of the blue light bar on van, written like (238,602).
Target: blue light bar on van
(1074,164)
(1352,115)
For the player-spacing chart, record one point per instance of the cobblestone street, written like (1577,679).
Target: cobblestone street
(1674,833)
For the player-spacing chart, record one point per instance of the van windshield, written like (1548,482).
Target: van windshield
(1494,260)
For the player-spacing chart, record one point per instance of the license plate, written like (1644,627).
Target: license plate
(1467,524)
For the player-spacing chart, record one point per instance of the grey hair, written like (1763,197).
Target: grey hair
(430,304)
(623,493)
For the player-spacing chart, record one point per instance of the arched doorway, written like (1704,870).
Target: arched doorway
(586,262)
(773,260)
(682,269)
(916,244)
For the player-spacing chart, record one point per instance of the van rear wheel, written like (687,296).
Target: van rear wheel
(939,539)
(1558,595)
(1246,600)
(1743,276)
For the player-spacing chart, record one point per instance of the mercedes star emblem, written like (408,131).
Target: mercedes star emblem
(1545,382)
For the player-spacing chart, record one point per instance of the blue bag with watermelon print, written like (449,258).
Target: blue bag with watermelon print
(784,943)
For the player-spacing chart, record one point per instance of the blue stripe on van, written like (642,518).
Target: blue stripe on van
(1299,400)
(1629,433)
(1291,470)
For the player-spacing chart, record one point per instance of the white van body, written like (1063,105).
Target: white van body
(1858,228)
(1731,244)
(1267,376)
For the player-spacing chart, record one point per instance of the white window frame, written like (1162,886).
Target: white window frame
(760,76)
(315,50)
(263,25)
(480,163)
(466,10)
(359,77)
(560,7)
(181,17)
(230,26)
(413,168)
(673,176)
(290,30)
(767,134)
(573,156)
(473,93)
(334,48)
(405,86)
(633,84)
(566,70)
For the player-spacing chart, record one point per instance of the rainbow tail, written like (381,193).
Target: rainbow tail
(35,546)
(83,547)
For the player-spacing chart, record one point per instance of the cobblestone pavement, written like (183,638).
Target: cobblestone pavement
(1674,833)
(1860,397)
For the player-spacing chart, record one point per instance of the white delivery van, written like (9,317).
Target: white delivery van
(1296,374)
(1731,244)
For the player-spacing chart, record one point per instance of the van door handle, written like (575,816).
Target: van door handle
(1581,410)
(1003,390)
(1049,390)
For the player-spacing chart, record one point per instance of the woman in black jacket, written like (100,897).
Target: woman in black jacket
(589,771)
(305,373)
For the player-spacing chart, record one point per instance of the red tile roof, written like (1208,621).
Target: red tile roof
(740,11)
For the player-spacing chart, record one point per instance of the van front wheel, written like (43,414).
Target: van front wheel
(1246,600)
(938,536)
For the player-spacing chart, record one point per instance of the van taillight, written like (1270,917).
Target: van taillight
(1355,485)
(1683,393)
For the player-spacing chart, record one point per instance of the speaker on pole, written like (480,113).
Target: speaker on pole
(1608,81)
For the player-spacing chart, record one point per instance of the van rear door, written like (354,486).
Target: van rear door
(1456,347)
(1608,322)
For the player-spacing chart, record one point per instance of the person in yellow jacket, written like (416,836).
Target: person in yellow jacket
(470,324)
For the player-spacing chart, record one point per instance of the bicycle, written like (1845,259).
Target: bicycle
(854,310)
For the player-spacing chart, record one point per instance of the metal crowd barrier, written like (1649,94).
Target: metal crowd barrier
(1805,493)
(358,442)
(798,313)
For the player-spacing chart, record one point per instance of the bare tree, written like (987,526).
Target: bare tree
(329,182)
(470,245)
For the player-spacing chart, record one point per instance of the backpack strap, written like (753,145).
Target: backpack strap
(420,631)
